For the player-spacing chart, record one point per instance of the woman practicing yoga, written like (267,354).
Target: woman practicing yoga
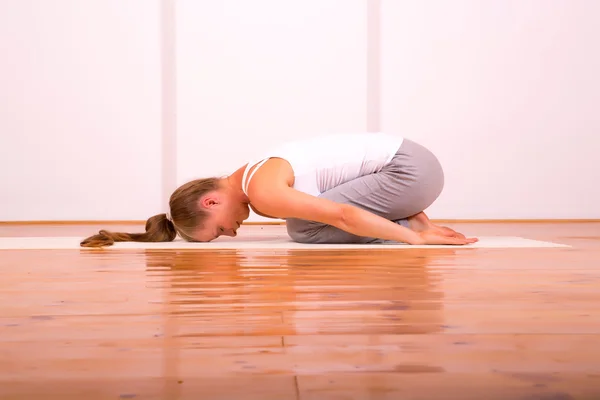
(352,188)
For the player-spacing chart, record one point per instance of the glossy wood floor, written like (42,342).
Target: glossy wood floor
(390,324)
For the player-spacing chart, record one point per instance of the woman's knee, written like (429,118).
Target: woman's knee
(299,230)
(310,232)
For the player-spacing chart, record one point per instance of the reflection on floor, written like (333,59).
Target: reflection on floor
(298,324)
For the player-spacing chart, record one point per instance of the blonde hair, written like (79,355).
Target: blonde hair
(184,218)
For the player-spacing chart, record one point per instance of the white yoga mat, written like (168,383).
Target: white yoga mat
(269,242)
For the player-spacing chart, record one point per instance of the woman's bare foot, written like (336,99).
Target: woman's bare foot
(420,222)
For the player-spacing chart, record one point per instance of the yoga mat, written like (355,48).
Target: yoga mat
(268,242)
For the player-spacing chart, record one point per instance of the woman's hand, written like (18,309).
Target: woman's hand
(433,236)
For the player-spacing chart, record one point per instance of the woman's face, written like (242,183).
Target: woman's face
(225,216)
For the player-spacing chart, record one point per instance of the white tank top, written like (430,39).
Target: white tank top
(324,162)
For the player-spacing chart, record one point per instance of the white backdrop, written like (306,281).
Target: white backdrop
(506,94)
(79,109)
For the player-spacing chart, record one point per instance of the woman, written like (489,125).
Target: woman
(352,188)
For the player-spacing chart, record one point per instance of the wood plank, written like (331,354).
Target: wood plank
(414,324)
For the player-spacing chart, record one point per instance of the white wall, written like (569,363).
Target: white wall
(507,94)
(79,109)
(256,73)
(504,92)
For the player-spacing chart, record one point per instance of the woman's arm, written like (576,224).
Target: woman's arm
(270,192)
(290,203)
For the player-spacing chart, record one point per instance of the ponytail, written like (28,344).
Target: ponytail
(184,210)
(158,229)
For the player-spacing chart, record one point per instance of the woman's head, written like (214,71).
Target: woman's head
(205,209)
(200,211)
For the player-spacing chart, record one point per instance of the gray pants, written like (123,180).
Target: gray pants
(409,184)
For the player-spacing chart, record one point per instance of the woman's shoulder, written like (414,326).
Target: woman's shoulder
(267,174)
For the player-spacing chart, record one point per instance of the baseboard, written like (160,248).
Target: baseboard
(278,222)
(78,222)
(516,221)
(113,222)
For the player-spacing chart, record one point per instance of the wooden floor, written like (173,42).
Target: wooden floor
(390,324)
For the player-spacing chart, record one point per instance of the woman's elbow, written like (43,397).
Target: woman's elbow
(344,217)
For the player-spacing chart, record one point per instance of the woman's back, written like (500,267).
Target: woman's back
(324,162)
